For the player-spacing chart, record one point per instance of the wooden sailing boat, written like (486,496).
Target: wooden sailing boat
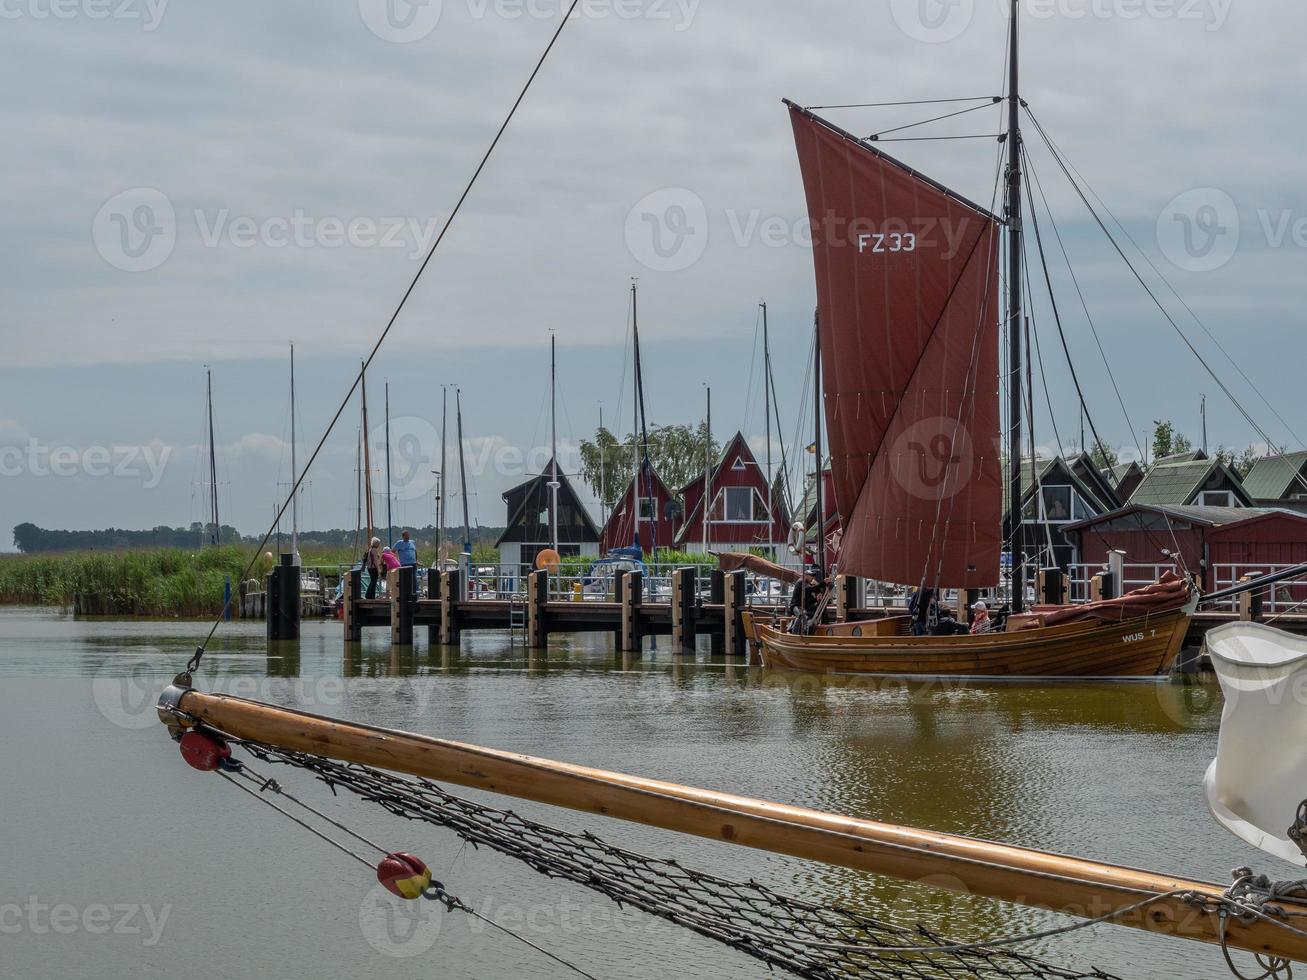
(908,317)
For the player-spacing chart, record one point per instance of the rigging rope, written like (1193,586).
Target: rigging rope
(806,939)
(194,663)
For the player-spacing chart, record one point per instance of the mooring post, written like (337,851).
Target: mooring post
(1052,586)
(537,593)
(683,637)
(226,598)
(717,596)
(846,597)
(350,597)
(450,590)
(284,601)
(433,595)
(736,601)
(1250,604)
(401,582)
(632,599)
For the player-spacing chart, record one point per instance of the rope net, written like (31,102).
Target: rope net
(823,942)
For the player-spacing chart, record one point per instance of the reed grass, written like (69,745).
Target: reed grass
(162,582)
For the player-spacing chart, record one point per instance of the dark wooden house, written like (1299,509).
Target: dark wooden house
(1279,481)
(528,531)
(1054,499)
(1191,482)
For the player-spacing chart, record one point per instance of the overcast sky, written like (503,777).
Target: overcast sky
(191,184)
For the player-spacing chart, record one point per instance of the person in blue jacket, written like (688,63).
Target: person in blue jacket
(406,550)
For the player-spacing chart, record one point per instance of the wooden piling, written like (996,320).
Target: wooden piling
(537,594)
(846,597)
(450,591)
(632,599)
(735,601)
(400,584)
(1250,604)
(717,596)
(350,597)
(683,599)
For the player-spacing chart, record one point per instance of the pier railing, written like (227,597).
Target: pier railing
(1280,598)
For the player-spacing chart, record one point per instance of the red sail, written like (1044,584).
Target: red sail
(907,297)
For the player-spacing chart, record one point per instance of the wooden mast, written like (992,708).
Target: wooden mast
(1038,879)
(367,453)
(1014,318)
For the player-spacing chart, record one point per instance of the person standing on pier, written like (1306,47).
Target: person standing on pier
(373,565)
(406,550)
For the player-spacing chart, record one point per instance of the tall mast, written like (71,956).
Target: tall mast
(444,470)
(1014,315)
(707,475)
(367,453)
(642,427)
(294,471)
(390,521)
(462,479)
(635,409)
(553,441)
(766,411)
(213,464)
(603,506)
(816,425)
(358,491)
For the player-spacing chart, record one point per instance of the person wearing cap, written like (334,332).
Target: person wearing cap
(807,592)
(980,621)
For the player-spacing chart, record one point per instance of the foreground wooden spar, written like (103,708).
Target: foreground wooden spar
(1077,887)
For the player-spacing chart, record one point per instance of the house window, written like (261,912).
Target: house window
(648,509)
(738,465)
(739,505)
(1216,498)
(1056,504)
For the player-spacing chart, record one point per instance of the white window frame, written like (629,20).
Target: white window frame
(1228,495)
(642,508)
(754,499)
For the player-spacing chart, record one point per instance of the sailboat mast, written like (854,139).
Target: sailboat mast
(707,474)
(294,471)
(462,478)
(213,463)
(816,425)
(444,470)
(367,454)
(635,408)
(553,441)
(1014,236)
(766,411)
(390,521)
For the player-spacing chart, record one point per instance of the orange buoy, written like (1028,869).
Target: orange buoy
(404,875)
(203,751)
(549,560)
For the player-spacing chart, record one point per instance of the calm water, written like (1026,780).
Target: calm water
(152,869)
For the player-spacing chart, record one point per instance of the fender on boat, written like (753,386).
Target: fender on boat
(1259,777)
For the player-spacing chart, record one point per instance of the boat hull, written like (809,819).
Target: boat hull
(1139,647)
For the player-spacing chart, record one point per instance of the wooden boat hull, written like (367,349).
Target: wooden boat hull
(1140,647)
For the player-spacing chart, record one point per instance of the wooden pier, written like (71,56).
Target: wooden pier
(536,613)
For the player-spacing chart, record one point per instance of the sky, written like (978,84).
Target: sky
(191,186)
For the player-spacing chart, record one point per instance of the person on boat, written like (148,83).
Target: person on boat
(923,607)
(980,621)
(807,594)
(372,564)
(946,625)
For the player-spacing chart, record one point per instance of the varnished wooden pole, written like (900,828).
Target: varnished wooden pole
(1074,886)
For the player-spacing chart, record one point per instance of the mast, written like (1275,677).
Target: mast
(367,454)
(603,506)
(816,425)
(1014,314)
(553,441)
(294,471)
(444,469)
(216,536)
(390,521)
(641,427)
(766,411)
(358,492)
(707,474)
(462,479)
(635,408)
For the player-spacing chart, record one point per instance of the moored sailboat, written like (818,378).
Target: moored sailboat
(908,288)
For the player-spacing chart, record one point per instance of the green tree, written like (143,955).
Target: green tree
(678,454)
(1241,462)
(1104,457)
(1167,441)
